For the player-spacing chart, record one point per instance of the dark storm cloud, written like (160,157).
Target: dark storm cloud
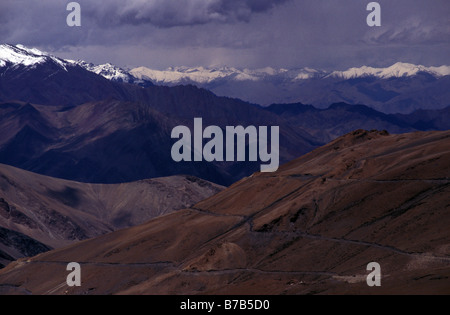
(43,22)
(171,13)
(330,34)
(411,31)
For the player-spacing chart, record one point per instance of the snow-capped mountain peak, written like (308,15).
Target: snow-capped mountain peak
(14,55)
(29,57)
(20,55)
(107,70)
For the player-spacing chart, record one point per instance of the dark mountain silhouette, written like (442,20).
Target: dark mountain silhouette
(428,119)
(340,118)
(115,141)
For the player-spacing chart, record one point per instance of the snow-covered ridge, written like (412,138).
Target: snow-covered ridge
(198,74)
(30,57)
(21,55)
(207,75)
(108,71)
(397,70)
(204,75)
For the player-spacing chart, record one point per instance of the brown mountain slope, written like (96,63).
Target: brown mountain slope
(58,212)
(312,227)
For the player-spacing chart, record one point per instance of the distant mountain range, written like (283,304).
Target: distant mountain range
(340,118)
(60,118)
(399,88)
(201,75)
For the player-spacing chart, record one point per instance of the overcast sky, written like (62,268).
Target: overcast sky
(325,34)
